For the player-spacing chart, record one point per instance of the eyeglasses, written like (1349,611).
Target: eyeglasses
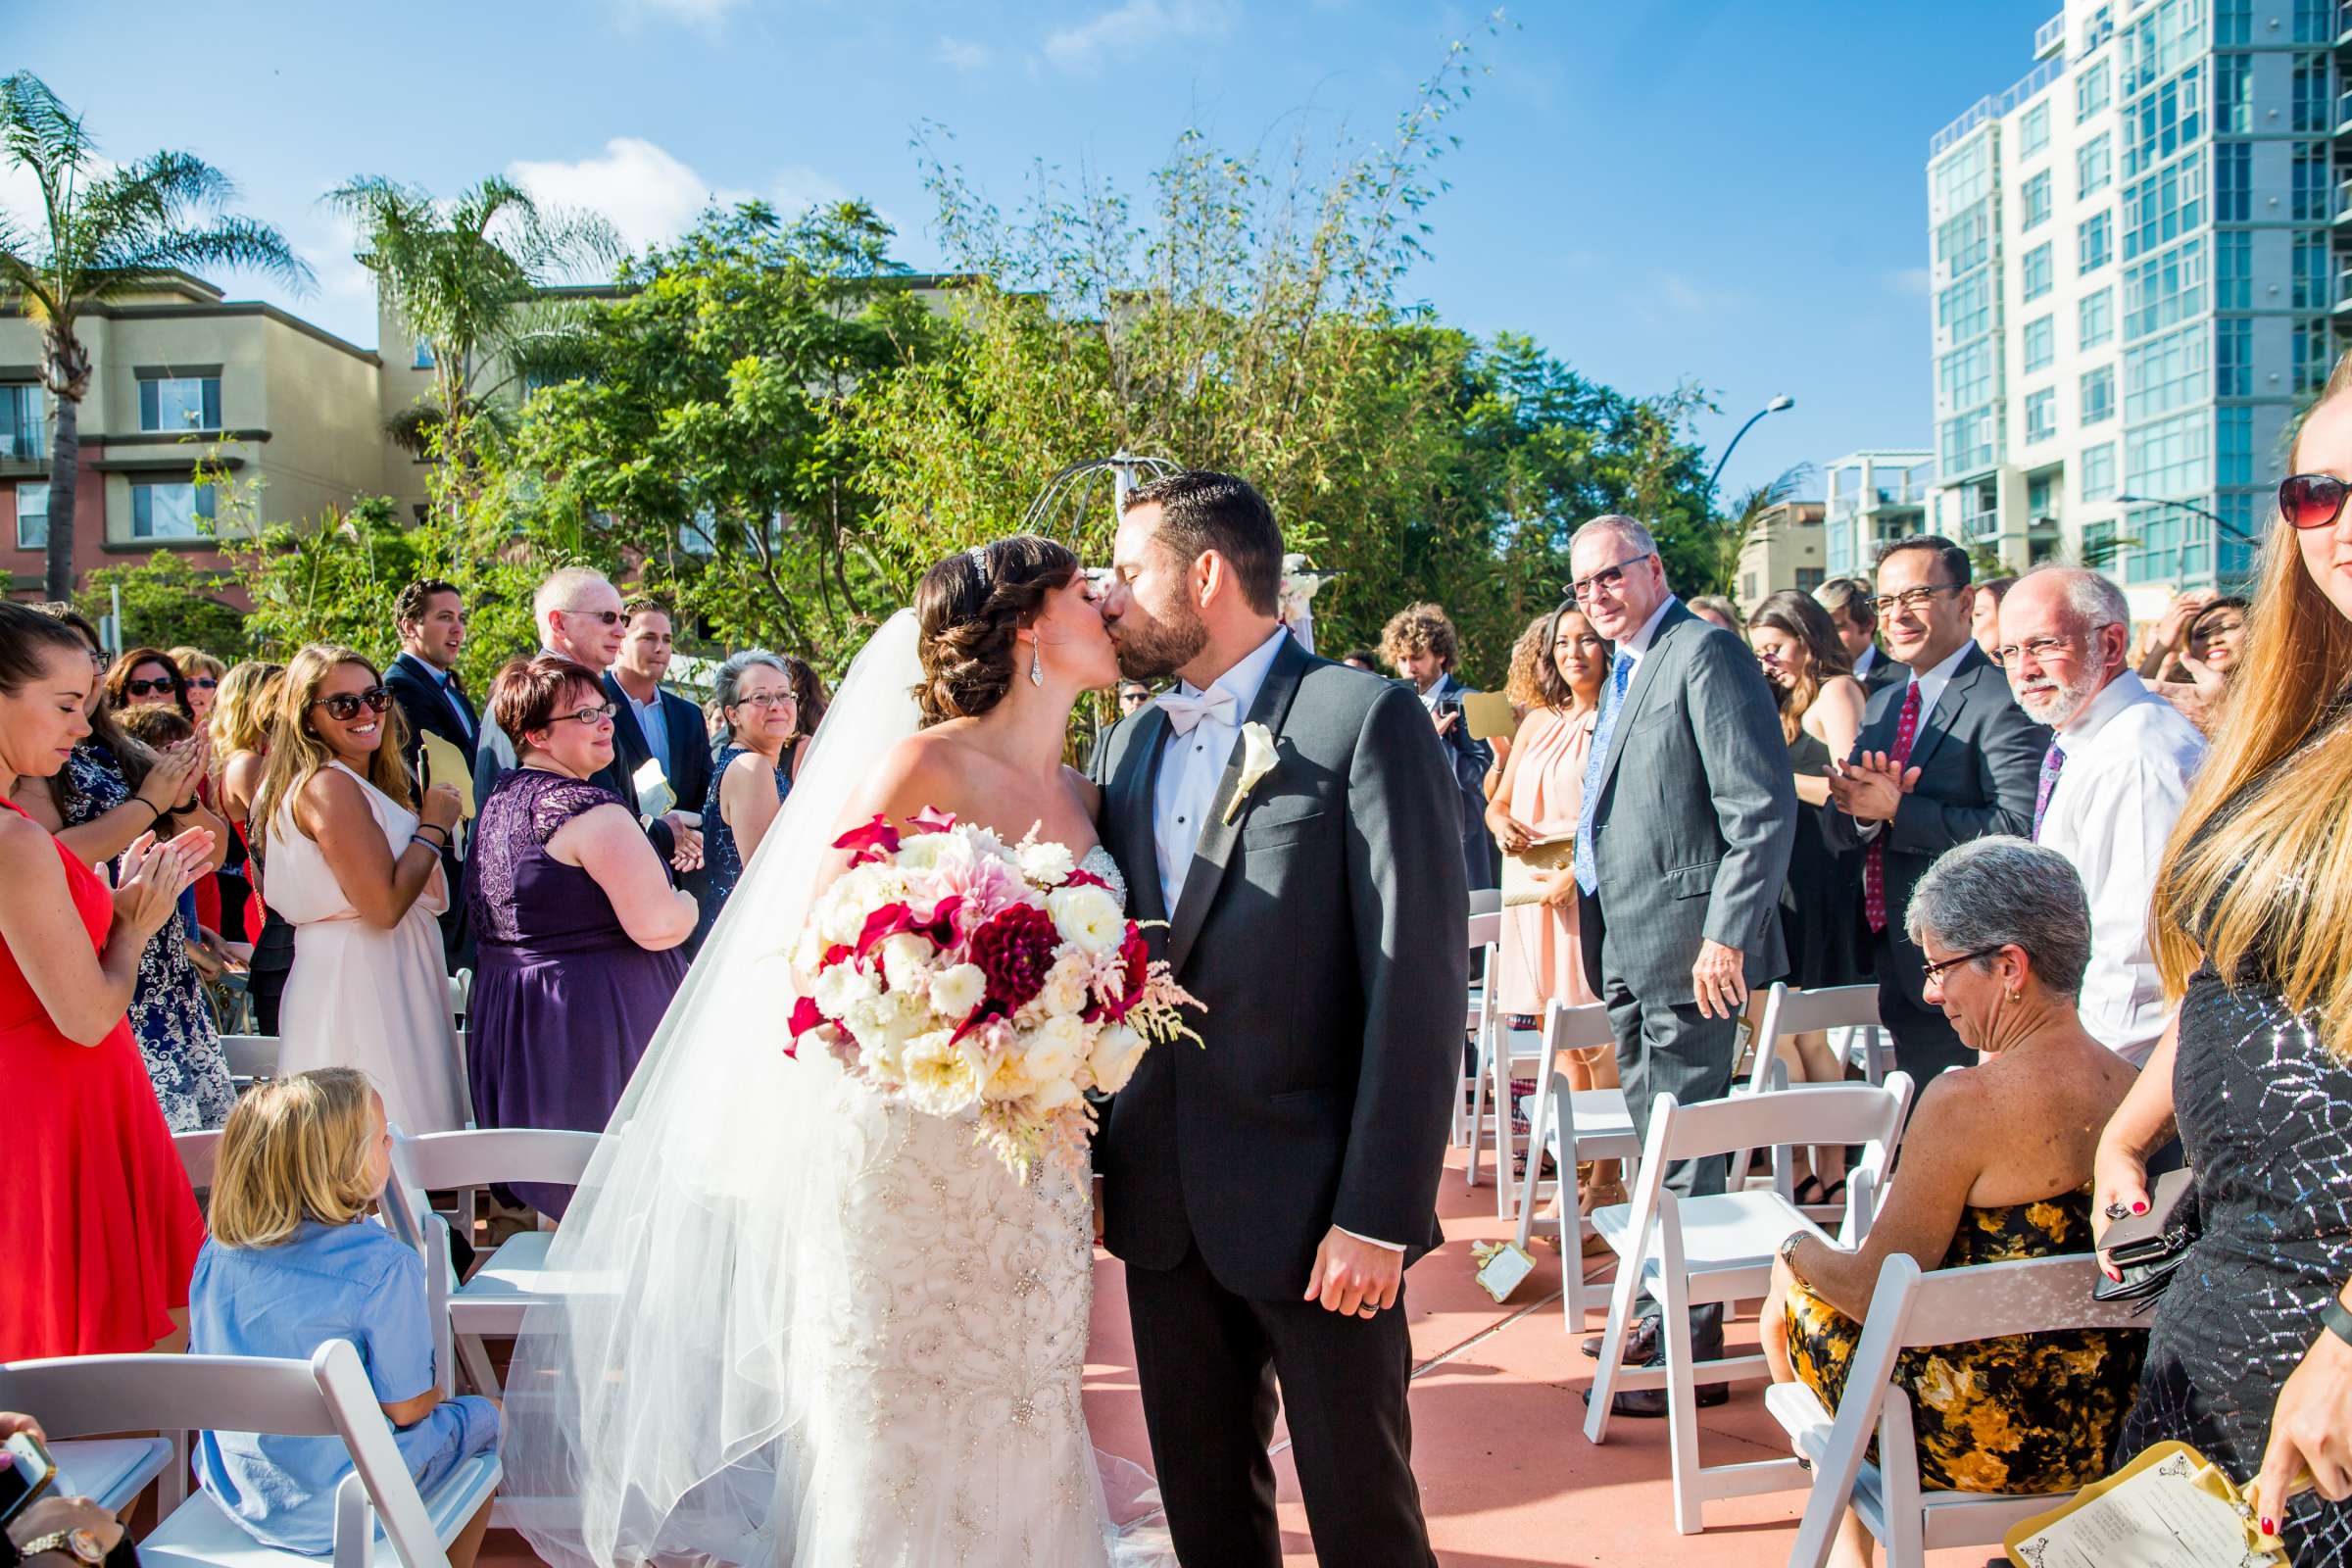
(759,699)
(1934,972)
(344,706)
(165,687)
(1913,599)
(602,713)
(204,683)
(2042,649)
(1611,578)
(611,617)
(2312,499)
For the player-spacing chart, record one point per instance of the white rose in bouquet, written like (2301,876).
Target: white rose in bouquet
(943,1078)
(906,961)
(841,988)
(1053,1095)
(1089,917)
(1047,863)
(1066,985)
(1116,1051)
(956,991)
(1055,1047)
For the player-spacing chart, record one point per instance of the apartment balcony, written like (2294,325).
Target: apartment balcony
(2343,203)
(2343,114)
(2050,39)
(2343,291)
(2343,25)
(25,450)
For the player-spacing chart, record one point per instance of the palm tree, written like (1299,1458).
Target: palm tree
(104,234)
(1727,538)
(467,279)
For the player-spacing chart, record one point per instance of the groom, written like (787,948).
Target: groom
(1268,1192)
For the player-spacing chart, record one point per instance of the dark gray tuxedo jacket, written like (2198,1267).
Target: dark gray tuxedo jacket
(1322,931)
(1696,815)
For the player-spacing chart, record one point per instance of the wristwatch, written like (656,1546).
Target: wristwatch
(81,1544)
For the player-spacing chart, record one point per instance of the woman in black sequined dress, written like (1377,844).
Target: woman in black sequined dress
(2253,920)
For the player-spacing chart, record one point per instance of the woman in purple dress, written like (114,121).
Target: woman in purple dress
(579,925)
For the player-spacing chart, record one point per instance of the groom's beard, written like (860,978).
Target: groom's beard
(1151,649)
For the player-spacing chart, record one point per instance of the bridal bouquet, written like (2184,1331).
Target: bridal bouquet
(968,975)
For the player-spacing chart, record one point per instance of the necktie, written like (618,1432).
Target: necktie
(1874,864)
(1588,869)
(2052,761)
(1185,713)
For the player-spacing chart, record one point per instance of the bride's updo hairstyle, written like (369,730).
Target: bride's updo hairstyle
(969,608)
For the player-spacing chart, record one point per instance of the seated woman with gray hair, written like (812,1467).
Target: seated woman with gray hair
(1995,1166)
(759,719)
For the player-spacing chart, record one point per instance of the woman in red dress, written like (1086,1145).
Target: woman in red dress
(99,1231)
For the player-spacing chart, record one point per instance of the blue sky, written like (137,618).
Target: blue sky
(1657,190)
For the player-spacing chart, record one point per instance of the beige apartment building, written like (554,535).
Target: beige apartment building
(1786,551)
(182,375)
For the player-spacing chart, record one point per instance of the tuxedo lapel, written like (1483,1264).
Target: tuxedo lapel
(1218,835)
(1133,789)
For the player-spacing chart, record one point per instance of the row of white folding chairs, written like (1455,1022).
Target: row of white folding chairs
(327,1395)
(255,1058)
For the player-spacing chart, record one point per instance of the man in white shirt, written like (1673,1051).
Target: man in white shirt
(2112,784)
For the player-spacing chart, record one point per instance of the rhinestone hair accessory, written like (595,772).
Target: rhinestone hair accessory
(979,560)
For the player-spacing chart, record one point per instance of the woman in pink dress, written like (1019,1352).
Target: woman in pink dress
(1539,959)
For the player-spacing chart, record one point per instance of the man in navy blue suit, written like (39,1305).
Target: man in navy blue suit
(424,680)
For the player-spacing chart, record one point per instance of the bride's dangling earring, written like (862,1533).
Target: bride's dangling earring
(1036,662)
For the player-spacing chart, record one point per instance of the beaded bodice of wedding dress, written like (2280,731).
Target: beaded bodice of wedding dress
(949,1424)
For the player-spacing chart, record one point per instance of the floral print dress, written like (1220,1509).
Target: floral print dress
(169,1015)
(2032,1412)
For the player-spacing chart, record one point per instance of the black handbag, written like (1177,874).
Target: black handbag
(2146,1248)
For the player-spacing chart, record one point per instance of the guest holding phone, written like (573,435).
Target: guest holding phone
(99,1229)
(357,870)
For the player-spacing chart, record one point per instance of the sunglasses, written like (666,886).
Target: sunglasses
(611,617)
(204,683)
(344,706)
(2312,499)
(152,688)
(1609,579)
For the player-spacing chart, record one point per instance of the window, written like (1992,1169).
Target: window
(2234,447)
(2312,193)
(2314,102)
(2041,414)
(2099,472)
(2171,456)
(2035,272)
(2315,20)
(2167,375)
(2161,121)
(2233,95)
(2161,38)
(32,517)
(2233,21)
(2038,496)
(2094,166)
(2095,242)
(2034,129)
(2315,356)
(1963,243)
(179,403)
(23,436)
(169,511)
(2164,290)
(1964,378)
(1969,442)
(2310,275)
(2094,320)
(2034,197)
(2165,205)
(1808,578)
(2090,92)
(1965,309)
(2232,357)
(425,356)
(2098,395)
(1962,179)
(2041,343)
(2232,182)
(2233,271)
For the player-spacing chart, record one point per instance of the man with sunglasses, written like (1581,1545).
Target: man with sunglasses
(1945,756)
(580,616)
(1682,846)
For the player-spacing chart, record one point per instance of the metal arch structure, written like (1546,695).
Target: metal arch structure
(1126,472)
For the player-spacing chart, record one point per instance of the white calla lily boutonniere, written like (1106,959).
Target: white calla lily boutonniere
(1258,758)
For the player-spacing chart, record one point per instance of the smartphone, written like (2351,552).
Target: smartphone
(26,1472)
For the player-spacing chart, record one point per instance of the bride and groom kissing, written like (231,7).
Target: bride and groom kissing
(805,1324)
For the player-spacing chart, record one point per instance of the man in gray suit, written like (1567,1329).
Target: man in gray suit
(1268,1189)
(1690,814)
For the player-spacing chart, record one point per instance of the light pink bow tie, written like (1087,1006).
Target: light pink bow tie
(1186,712)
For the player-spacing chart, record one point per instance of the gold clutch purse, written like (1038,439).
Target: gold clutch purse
(1521,882)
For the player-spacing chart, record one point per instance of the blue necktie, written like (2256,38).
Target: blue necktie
(1588,872)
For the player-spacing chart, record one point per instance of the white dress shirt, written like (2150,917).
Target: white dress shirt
(1867,660)
(2129,758)
(1637,647)
(1192,765)
(1190,769)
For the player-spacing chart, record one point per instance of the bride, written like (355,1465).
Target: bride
(799,1322)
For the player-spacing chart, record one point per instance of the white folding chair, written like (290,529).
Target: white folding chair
(326,1396)
(198,1153)
(1789,1012)
(1485,900)
(1915,1311)
(1572,1126)
(493,1302)
(1486,930)
(1690,1253)
(250,1059)
(460,997)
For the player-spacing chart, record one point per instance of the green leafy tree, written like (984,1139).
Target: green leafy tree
(167,603)
(103,232)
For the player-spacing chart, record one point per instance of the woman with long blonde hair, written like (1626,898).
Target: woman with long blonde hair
(2253,927)
(357,871)
(240,726)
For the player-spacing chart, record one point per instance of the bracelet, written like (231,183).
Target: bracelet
(154,815)
(431,828)
(420,841)
(2337,1319)
(1788,1249)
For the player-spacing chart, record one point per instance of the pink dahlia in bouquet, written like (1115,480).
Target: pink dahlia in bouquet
(972,977)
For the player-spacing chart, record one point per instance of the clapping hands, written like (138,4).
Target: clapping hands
(1871,787)
(154,874)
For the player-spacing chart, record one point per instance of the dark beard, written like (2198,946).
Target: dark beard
(1155,649)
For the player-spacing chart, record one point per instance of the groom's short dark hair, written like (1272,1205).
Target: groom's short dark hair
(1201,511)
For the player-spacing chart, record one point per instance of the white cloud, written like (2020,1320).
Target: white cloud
(649,196)
(1133,27)
(963,54)
(1913,280)
(798,187)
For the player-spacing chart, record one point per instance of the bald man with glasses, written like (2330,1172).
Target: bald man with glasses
(1946,755)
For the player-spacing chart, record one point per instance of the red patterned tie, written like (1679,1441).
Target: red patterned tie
(1874,866)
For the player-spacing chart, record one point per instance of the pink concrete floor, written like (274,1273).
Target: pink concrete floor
(1508,1479)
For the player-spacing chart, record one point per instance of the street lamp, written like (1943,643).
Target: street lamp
(1783,401)
(2217,521)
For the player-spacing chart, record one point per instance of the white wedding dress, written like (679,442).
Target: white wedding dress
(801,1323)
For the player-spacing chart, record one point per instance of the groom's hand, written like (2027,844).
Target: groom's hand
(1353,1276)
